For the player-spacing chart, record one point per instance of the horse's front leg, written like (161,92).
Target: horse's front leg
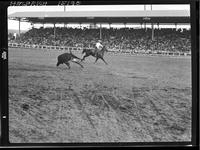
(96,59)
(104,61)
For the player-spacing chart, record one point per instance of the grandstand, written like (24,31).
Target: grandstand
(124,39)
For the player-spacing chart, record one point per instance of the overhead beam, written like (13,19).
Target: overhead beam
(105,14)
(19,26)
(152,34)
(112,20)
(100,31)
(54,29)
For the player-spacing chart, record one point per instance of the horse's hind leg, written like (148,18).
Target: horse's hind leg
(84,57)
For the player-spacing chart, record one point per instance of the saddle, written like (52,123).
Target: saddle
(97,50)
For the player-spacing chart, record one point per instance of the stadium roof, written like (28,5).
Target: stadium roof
(156,16)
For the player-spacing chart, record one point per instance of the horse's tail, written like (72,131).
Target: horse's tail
(84,50)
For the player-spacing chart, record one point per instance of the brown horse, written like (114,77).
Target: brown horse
(95,53)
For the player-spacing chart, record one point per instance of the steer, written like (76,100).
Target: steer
(66,57)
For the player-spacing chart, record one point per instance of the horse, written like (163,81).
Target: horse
(95,53)
(66,57)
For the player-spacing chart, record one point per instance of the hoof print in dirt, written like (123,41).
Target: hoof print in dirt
(25,107)
(96,100)
(70,88)
(123,108)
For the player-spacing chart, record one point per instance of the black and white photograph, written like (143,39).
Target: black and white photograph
(100,73)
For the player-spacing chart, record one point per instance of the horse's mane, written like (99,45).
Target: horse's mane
(91,49)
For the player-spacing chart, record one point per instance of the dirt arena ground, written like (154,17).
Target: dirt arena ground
(132,99)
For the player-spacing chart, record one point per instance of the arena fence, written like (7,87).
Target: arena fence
(126,51)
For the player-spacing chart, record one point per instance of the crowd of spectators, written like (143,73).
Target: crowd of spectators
(113,38)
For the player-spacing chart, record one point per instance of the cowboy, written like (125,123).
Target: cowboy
(99,46)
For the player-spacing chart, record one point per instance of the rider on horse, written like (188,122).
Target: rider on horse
(99,46)
(97,52)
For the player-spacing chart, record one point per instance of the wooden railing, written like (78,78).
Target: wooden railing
(127,51)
